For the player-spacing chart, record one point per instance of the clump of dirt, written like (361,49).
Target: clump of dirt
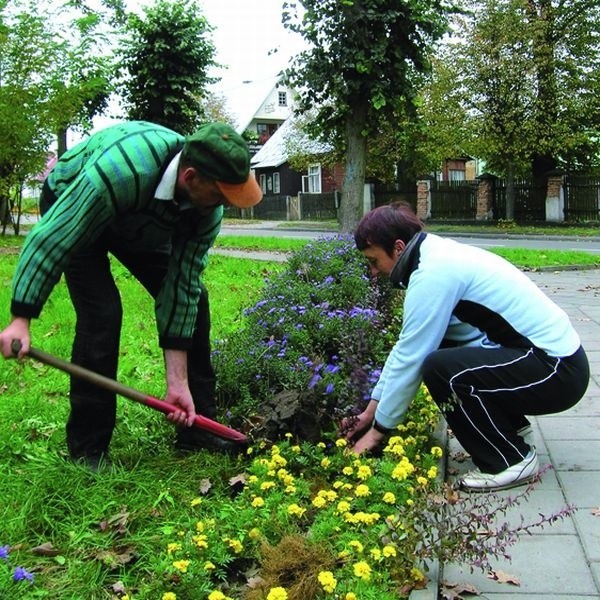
(293,411)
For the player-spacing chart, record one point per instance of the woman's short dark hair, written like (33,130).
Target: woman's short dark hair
(383,225)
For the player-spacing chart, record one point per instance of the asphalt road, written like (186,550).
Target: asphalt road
(487,240)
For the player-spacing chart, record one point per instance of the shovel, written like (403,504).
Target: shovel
(200,421)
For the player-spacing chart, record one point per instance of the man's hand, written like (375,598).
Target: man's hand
(17,330)
(178,391)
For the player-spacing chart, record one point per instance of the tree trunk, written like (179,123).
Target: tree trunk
(61,141)
(353,186)
(510,192)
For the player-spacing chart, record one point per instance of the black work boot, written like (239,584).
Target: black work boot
(192,439)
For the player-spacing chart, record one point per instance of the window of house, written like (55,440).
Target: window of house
(314,179)
(282,96)
(262,181)
(276,184)
(456,175)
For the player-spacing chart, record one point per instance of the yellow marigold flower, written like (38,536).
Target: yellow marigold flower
(338,484)
(173,547)
(364,472)
(389,551)
(200,541)
(295,510)
(410,502)
(436,452)
(217,596)
(327,581)
(389,498)
(319,502)
(326,463)
(422,480)
(362,570)
(356,545)
(321,445)
(209,566)
(290,489)
(125,597)
(258,502)
(255,534)
(235,545)
(199,526)
(250,450)
(275,450)
(376,553)
(296,449)
(252,479)
(181,565)
(169,596)
(416,574)
(350,596)
(343,506)
(267,485)
(277,593)
(194,502)
(341,443)
(347,470)
(362,490)
(432,473)
(288,435)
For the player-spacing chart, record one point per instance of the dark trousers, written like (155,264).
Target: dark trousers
(98,308)
(485,394)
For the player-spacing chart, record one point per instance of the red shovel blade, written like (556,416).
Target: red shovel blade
(110,384)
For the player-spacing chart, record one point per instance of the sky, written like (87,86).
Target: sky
(251,44)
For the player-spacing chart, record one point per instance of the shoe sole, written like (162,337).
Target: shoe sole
(498,488)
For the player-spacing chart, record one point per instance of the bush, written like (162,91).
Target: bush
(312,347)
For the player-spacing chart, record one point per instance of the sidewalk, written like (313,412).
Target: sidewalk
(560,561)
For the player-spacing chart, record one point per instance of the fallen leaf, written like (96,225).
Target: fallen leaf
(118,588)
(45,549)
(116,523)
(454,591)
(502,577)
(205,486)
(114,559)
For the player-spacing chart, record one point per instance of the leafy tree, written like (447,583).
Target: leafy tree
(359,73)
(51,76)
(166,58)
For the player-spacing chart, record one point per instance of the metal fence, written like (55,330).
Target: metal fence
(454,199)
(530,200)
(582,198)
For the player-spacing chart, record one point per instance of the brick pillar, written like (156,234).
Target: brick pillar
(485,197)
(555,200)
(423,199)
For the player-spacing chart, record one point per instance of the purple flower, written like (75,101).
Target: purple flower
(329,388)
(4,551)
(20,574)
(315,379)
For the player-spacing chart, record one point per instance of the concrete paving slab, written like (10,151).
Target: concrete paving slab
(535,562)
(579,490)
(575,455)
(572,427)
(588,526)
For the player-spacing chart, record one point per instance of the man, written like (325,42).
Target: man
(489,345)
(153,200)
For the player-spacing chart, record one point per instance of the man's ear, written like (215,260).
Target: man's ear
(187,174)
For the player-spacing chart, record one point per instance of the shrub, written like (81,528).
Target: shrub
(312,347)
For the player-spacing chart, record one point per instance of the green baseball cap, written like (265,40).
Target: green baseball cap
(221,154)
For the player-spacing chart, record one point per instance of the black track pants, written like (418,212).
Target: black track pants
(486,393)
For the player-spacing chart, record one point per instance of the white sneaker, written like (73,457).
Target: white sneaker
(527,434)
(523,472)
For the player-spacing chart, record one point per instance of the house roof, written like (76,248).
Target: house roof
(276,149)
